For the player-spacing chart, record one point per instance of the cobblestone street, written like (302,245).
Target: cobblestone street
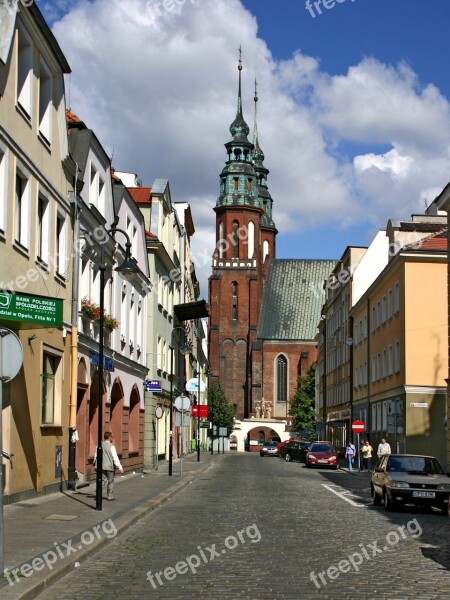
(257,528)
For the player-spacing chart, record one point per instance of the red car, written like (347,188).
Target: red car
(322,454)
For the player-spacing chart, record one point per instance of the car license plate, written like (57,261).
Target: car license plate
(423,495)
(322,460)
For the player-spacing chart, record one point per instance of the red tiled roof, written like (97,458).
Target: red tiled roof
(151,235)
(436,241)
(141,195)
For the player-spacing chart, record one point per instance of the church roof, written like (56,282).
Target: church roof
(293,298)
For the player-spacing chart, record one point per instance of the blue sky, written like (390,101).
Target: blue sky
(354,111)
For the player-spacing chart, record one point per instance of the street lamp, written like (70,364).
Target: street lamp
(185,349)
(127,267)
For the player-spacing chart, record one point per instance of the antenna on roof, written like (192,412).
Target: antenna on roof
(112,156)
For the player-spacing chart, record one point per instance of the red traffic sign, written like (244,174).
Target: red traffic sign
(200,411)
(358,426)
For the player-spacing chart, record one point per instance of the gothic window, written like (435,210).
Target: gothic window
(281,378)
(249,185)
(265,249)
(235,239)
(234,289)
(251,240)
(236,183)
(235,312)
(221,240)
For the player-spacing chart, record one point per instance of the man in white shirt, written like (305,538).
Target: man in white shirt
(383,448)
(110,460)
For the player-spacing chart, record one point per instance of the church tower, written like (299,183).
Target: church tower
(245,237)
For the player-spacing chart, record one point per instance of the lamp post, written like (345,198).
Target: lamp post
(128,266)
(185,349)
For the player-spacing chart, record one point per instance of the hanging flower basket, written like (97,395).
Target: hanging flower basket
(89,309)
(110,323)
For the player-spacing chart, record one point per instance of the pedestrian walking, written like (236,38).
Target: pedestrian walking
(110,461)
(350,452)
(383,448)
(367,452)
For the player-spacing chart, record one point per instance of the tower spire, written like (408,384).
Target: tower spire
(239,128)
(258,155)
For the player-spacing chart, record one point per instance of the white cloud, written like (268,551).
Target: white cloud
(160,92)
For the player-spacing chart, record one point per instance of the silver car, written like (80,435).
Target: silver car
(269,449)
(410,479)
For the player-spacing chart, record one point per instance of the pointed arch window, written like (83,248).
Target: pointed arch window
(235,240)
(251,239)
(236,184)
(282,378)
(221,240)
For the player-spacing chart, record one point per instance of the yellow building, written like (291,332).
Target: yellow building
(399,357)
(35,245)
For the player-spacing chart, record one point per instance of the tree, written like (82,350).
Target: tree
(302,408)
(220,413)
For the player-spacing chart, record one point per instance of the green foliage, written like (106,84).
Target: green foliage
(302,408)
(220,413)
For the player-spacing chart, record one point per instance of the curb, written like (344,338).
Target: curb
(122,524)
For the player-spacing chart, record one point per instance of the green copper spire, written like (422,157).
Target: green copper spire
(258,154)
(264,198)
(239,128)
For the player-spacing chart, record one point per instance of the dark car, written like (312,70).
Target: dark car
(294,450)
(281,444)
(322,454)
(269,449)
(410,479)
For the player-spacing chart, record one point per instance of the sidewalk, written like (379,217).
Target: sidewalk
(46,537)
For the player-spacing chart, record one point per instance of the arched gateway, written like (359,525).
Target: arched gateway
(242,429)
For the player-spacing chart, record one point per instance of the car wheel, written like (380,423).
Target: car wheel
(388,504)
(261,454)
(288,458)
(445,510)
(375,497)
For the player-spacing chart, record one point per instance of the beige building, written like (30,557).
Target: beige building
(36,176)
(337,345)
(400,350)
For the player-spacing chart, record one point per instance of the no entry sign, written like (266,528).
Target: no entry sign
(358,426)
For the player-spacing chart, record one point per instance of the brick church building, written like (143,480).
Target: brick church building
(264,311)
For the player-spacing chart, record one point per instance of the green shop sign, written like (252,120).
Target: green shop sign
(36,310)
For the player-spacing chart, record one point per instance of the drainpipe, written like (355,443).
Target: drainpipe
(72,482)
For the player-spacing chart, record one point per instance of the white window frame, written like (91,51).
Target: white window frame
(374,369)
(397,357)
(4,155)
(390,366)
(43,228)
(389,304)
(22,208)
(45,101)
(24,71)
(61,244)
(383,309)
(396,298)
